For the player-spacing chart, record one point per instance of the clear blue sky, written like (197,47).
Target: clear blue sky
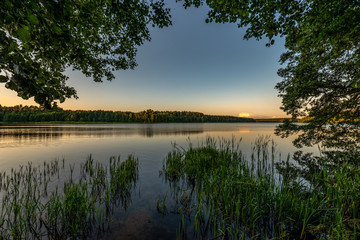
(190,66)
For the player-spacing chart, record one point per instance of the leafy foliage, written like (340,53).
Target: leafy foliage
(39,39)
(321,78)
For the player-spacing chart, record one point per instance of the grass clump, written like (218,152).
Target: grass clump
(221,194)
(35,206)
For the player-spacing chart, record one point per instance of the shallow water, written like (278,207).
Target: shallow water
(20,144)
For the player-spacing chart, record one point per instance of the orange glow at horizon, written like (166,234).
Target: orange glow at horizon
(87,102)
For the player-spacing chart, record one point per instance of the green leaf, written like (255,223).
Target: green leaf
(356,84)
(3,79)
(12,46)
(24,33)
(33,19)
(57,30)
(9,19)
(8,4)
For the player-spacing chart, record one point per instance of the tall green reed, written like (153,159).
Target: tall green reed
(222,194)
(80,208)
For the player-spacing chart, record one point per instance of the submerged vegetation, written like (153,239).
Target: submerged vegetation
(221,194)
(35,114)
(33,206)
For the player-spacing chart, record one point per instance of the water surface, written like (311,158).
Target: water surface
(20,144)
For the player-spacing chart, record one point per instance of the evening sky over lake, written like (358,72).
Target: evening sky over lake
(190,66)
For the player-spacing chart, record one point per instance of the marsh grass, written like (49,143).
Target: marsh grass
(79,209)
(223,195)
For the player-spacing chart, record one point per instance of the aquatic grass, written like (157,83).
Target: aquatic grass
(31,209)
(230,197)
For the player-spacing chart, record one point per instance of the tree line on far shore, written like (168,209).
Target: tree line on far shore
(21,113)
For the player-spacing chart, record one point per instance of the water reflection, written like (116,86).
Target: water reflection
(149,142)
(23,134)
(33,134)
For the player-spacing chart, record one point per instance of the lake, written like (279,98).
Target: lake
(150,143)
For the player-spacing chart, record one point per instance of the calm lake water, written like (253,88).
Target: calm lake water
(150,143)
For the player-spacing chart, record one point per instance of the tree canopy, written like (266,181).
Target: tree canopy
(39,39)
(320,77)
(21,113)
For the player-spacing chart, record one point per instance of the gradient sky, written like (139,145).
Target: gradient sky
(190,66)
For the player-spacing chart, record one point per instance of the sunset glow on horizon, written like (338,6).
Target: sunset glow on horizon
(244,114)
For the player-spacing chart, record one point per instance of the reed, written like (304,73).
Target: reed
(222,194)
(34,205)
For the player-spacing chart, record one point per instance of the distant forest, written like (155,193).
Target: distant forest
(21,113)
